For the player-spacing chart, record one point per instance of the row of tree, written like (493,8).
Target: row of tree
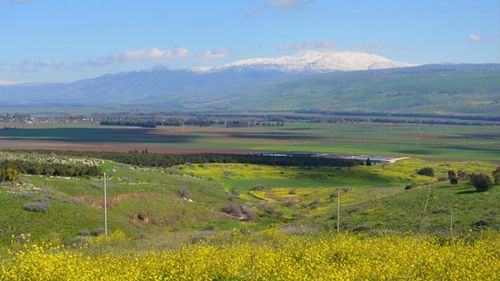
(196,121)
(145,159)
(481,181)
(46,168)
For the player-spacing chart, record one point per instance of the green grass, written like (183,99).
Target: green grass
(374,197)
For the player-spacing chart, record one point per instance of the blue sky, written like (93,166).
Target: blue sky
(65,40)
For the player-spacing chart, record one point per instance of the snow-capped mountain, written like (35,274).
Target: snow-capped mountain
(314,61)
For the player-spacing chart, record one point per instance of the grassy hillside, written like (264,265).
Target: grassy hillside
(150,203)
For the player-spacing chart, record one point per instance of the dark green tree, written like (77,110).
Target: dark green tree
(481,182)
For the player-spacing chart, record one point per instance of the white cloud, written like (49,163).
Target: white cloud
(34,65)
(475,37)
(155,53)
(214,54)
(8,82)
(149,55)
(288,5)
(283,5)
(373,47)
(312,45)
(19,1)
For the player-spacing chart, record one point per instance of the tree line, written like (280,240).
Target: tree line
(197,121)
(145,159)
(9,168)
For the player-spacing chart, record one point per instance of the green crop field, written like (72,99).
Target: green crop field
(431,141)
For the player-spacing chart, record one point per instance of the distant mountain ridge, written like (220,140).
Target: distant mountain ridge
(470,89)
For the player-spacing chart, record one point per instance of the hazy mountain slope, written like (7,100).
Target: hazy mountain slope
(141,88)
(456,89)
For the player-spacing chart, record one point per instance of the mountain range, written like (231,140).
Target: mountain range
(331,81)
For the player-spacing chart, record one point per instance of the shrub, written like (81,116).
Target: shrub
(260,187)
(183,192)
(410,186)
(233,210)
(244,212)
(453,180)
(345,224)
(99,231)
(314,204)
(463,175)
(484,223)
(234,191)
(441,210)
(290,201)
(249,213)
(481,182)
(84,233)
(361,228)
(268,207)
(426,172)
(496,175)
(42,206)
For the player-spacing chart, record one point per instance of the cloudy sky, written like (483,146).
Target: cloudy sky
(65,40)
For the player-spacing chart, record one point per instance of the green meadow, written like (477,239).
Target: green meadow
(185,202)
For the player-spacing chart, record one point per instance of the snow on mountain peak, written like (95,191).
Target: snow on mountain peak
(315,61)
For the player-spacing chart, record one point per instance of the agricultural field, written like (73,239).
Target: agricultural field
(428,141)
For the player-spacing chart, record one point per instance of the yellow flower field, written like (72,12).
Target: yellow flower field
(282,257)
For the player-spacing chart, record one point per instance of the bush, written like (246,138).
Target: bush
(463,175)
(244,212)
(233,210)
(249,213)
(453,181)
(99,231)
(496,175)
(345,224)
(426,172)
(481,182)
(260,187)
(361,228)
(235,192)
(482,224)
(290,201)
(42,206)
(84,233)
(183,192)
(410,186)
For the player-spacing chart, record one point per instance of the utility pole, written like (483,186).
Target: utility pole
(105,208)
(338,212)
(451,223)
